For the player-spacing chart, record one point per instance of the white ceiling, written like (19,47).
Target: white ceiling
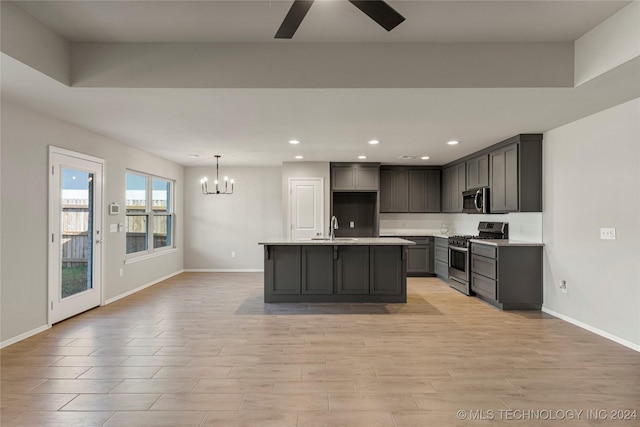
(252,126)
(327,21)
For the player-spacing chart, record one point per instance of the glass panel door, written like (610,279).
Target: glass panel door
(75,238)
(76,197)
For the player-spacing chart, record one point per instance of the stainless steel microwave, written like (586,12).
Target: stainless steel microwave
(476,200)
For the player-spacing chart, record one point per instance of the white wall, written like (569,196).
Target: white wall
(304,170)
(592,180)
(217,225)
(610,44)
(522,226)
(26,136)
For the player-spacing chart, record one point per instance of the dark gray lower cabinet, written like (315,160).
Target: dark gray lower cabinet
(283,276)
(352,270)
(386,266)
(509,277)
(420,257)
(317,270)
(441,258)
(335,273)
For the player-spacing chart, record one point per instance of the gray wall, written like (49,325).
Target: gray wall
(215,226)
(592,180)
(26,136)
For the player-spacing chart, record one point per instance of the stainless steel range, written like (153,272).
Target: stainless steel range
(460,254)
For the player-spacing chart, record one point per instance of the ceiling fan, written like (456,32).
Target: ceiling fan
(378,10)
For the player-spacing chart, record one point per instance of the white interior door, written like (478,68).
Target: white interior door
(306,207)
(75,233)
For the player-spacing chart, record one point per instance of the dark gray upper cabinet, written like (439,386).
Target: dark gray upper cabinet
(478,172)
(454,183)
(424,190)
(394,190)
(515,172)
(407,189)
(355,176)
(504,179)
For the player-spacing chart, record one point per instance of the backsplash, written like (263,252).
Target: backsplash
(525,226)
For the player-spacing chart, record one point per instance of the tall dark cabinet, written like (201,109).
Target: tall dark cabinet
(355,198)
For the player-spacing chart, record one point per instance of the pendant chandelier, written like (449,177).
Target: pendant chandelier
(205,188)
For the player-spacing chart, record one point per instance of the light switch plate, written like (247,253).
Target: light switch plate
(352,224)
(608,233)
(113,228)
(120,228)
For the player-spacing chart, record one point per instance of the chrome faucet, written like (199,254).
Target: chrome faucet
(333,225)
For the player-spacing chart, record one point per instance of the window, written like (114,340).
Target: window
(149,205)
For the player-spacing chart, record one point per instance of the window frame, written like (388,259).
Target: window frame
(150,215)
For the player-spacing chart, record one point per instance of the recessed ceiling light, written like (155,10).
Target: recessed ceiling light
(195,156)
(299,157)
(424,158)
(362,157)
(453,142)
(405,157)
(374,142)
(294,142)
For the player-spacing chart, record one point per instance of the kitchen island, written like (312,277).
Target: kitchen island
(367,269)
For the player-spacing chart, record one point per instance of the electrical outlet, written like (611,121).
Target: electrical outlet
(233,254)
(608,234)
(121,272)
(563,286)
(120,228)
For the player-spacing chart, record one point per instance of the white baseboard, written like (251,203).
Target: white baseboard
(224,270)
(139,288)
(607,335)
(24,336)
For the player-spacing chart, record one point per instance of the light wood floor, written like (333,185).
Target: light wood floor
(203,349)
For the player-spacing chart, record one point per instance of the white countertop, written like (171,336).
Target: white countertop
(505,242)
(339,241)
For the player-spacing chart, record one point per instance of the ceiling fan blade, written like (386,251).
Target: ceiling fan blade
(378,10)
(294,17)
